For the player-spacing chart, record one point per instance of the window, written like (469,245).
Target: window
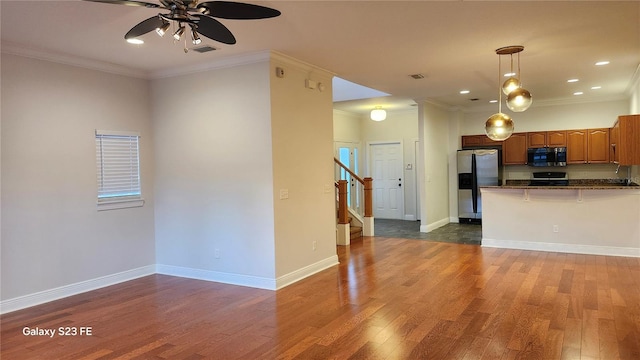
(118,161)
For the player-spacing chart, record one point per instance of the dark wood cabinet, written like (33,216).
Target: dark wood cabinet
(514,149)
(598,146)
(577,147)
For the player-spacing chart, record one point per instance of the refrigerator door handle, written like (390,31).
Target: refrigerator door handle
(474,186)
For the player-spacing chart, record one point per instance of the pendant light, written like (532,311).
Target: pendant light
(518,98)
(499,126)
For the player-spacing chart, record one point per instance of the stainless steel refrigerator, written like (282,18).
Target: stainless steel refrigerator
(476,168)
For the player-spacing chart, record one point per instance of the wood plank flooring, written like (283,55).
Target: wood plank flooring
(388,299)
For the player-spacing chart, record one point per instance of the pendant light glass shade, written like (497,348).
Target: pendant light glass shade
(499,127)
(510,85)
(519,100)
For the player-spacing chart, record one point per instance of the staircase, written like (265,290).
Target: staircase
(353,222)
(355,232)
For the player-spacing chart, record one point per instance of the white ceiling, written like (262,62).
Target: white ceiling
(377,44)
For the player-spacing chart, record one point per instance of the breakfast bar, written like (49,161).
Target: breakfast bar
(599,219)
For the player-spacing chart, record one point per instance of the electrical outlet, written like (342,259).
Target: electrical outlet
(216,253)
(314,245)
(556,228)
(284,194)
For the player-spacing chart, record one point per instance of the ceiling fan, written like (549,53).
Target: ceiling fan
(198,16)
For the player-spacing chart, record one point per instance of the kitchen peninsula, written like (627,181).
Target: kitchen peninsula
(600,219)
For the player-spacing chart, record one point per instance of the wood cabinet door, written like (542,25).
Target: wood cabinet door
(537,139)
(514,149)
(472,140)
(577,147)
(556,138)
(598,146)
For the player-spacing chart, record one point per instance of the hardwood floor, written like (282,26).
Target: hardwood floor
(388,299)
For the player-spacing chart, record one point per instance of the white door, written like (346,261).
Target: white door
(386,169)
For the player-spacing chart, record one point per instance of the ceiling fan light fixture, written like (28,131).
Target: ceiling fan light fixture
(178,34)
(195,38)
(135,41)
(163,29)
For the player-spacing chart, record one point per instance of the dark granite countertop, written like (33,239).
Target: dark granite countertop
(574,184)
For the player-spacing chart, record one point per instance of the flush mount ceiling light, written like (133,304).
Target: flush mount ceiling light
(378,114)
(199,17)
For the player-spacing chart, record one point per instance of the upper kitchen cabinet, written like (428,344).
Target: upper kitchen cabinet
(577,147)
(514,149)
(470,141)
(590,146)
(537,139)
(598,146)
(557,138)
(541,139)
(625,140)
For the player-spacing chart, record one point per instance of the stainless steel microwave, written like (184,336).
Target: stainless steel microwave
(549,156)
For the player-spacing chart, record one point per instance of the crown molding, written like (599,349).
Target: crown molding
(301,65)
(41,54)
(226,62)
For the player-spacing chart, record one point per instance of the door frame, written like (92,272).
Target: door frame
(369,166)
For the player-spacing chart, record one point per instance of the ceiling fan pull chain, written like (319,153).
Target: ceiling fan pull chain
(186,50)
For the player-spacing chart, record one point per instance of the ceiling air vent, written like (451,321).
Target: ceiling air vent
(417,76)
(204,49)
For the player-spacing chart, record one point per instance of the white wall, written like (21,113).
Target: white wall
(302,146)
(559,117)
(52,234)
(214,176)
(434,178)
(346,126)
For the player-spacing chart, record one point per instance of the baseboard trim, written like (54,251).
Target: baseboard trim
(306,271)
(434,225)
(216,276)
(22,302)
(564,248)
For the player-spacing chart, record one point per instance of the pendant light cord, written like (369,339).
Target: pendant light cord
(499,88)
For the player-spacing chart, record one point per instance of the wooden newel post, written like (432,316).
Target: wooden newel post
(368,197)
(342,202)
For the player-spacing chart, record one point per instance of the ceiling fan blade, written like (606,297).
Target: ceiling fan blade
(213,29)
(237,11)
(144,27)
(127,2)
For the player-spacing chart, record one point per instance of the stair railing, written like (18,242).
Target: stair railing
(363,188)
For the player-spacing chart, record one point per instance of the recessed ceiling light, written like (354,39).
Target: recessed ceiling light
(600,63)
(596,87)
(417,76)
(578,93)
(510,74)
(135,41)
(493,101)
(572,80)
(464,92)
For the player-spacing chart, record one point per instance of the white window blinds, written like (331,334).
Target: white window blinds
(118,160)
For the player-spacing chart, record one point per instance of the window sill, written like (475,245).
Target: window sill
(119,204)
